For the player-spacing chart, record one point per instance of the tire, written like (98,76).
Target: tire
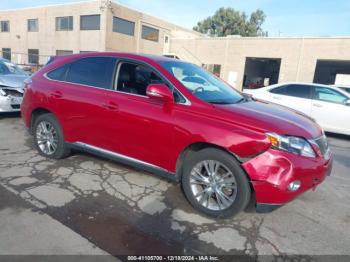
(61,150)
(239,196)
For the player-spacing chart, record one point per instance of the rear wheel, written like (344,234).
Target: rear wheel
(215,184)
(48,137)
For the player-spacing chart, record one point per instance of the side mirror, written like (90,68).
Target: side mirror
(160,92)
(347,102)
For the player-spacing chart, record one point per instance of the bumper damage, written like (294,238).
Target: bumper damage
(11,102)
(273,172)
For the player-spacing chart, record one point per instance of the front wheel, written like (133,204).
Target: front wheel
(215,184)
(48,137)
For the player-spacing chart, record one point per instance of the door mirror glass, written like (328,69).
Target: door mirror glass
(347,102)
(160,92)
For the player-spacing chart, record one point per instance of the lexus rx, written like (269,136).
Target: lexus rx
(175,119)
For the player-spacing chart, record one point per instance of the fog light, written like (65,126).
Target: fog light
(294,186)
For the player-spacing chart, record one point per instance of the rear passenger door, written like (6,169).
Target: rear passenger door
(295,96)
(79,93)
(330,110)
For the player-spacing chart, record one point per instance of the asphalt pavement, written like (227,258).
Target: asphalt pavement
(88,205)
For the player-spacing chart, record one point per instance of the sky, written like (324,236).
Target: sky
(284,17)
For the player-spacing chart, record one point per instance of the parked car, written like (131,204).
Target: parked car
(144,111)
(329,106)
(11,86)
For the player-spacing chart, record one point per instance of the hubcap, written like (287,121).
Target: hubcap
(46,137)
(213,185)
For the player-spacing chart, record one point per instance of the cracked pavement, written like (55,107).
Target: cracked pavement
(126,211)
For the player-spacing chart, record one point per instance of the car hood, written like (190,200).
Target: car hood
(270,117)
(12,81)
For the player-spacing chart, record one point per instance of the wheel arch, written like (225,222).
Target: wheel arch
(35,114)
(197,146)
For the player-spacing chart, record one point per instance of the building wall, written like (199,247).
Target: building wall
(299,55)
(47,39)
(126,43)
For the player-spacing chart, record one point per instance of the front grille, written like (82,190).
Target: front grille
(15,106)
(12,92)
(322,144)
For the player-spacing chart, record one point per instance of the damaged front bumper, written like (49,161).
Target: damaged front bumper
(10,100)
(273,172)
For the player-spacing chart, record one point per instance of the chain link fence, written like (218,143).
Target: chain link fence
(30,62)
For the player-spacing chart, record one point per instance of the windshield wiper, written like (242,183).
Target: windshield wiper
(220,102)
(243,99)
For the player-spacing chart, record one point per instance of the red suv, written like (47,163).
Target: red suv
(174,119)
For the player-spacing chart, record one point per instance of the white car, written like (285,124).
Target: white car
(328,105)
(11,86)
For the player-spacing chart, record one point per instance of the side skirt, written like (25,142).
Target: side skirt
(125,160)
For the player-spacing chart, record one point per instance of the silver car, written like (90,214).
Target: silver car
(11,86)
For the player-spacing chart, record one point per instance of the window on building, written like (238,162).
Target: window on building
(90,22)
(150,33)
(5,26)
(300,91)
(64,52)
(92,71)
(33,56)
(213,68)
(33,25)
(6,53)
(64,23)
(123,26)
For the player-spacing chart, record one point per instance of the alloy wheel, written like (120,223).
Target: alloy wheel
(213,185)
(47,138)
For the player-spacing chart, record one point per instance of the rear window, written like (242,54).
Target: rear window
(92,71)
(58,74)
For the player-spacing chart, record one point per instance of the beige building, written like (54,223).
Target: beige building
(30,35)
(246,61)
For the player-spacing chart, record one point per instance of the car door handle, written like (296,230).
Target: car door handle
(111,106)
(57,94)
(276,98)
(317,105)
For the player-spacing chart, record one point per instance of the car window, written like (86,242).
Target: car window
(300,91)
(135,78)
(59,73)
(8,68)
(329,95)
(202,84)
(346,89)
(92,71)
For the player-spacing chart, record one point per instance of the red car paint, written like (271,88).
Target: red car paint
(157,133)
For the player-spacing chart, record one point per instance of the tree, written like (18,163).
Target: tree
(228,21)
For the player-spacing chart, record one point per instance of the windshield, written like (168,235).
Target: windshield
(8,68)
(203,84)
(347,89)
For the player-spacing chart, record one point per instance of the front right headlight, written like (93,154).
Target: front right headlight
(292,144)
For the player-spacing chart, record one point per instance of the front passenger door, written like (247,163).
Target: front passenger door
(141,128)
